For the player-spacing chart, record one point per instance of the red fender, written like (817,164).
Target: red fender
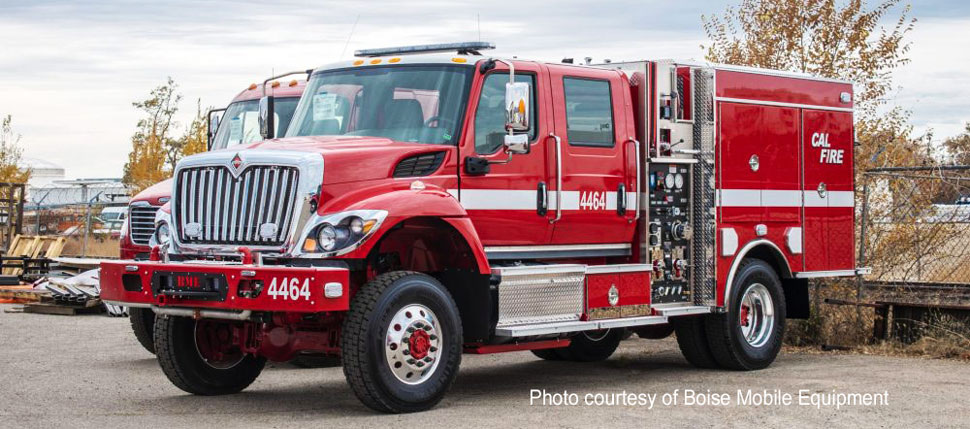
(405,204)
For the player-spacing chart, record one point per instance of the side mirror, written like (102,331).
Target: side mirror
(266,116)
(517,106)
(213,127)
(517,144)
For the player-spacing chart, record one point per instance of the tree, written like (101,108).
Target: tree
(152,143)
(11,170)
(958,147)
(831,39)
(196,139)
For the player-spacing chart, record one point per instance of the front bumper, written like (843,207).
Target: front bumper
(225,287)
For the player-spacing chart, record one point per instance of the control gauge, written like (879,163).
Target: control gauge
(669,181)
(679,180)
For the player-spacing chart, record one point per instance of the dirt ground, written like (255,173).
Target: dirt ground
(88,371)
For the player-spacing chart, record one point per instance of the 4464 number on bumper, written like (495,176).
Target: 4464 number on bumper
(289,289)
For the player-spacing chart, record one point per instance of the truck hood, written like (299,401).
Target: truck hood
(153,194)
(350,159)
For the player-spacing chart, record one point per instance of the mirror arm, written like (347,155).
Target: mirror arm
(280,76)
(511,81)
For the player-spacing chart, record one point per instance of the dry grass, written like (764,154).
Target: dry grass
(942,336)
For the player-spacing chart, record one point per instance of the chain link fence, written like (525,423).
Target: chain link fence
(915,234)
(88,214)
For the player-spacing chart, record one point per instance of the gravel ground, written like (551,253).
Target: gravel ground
(88,371)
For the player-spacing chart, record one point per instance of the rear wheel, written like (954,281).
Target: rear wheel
(547,354)
(748,336)
(202,357)
(143,325)
(401,342)
(692,339)
(592,346)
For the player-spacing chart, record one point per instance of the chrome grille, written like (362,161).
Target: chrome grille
(214,207)
(141,223)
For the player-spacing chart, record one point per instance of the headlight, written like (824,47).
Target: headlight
(327,237)
(163,233)
(342,231)
(161,236)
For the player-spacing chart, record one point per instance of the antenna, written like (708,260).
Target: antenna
(478,17)
(349,36)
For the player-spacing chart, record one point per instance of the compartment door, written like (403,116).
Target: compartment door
(829,212)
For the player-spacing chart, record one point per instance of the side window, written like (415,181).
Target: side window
(589,112)
(490,115)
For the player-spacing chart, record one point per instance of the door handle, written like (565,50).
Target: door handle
(558,178)
(636,155)
(542,199)
(621,199)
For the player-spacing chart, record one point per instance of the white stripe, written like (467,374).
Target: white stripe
(517,199)
(782,198)
(776,198)
(841,199)
(779,104)
(739,197)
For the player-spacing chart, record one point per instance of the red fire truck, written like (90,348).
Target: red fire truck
(242,116)
(430,201)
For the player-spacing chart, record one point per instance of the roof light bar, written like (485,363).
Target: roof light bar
(462,48)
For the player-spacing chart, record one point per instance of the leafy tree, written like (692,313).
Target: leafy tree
(11,170)
(196,138)
(833,39)
(152,142)
(958,147)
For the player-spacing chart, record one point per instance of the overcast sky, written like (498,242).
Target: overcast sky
(69,70)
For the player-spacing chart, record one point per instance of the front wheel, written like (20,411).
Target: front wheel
(143,325)
(202,357)
(592,346)
(748,336)
(401,342)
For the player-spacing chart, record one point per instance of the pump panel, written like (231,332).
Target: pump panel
(669,231)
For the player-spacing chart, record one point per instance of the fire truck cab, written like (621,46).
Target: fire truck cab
(430,201)
(242,117)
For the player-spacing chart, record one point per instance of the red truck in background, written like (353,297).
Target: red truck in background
(242,127)
(242,116)
(430,201)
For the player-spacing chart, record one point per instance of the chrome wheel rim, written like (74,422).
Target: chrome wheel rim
(756,316)
(412,345)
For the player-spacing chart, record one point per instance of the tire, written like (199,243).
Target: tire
(547,354)
(181,360)
(730,346)
(654,332)
(389,335)
(143,325)
(692,339)
(592,346)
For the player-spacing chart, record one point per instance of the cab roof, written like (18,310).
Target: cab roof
(280,88)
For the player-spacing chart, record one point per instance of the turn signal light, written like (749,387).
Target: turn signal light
(310,245)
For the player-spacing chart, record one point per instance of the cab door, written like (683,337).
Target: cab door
(597,157)
(508,203)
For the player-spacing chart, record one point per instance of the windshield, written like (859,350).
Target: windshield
(420,104)
(240,122)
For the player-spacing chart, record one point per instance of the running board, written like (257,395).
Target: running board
(593,325)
